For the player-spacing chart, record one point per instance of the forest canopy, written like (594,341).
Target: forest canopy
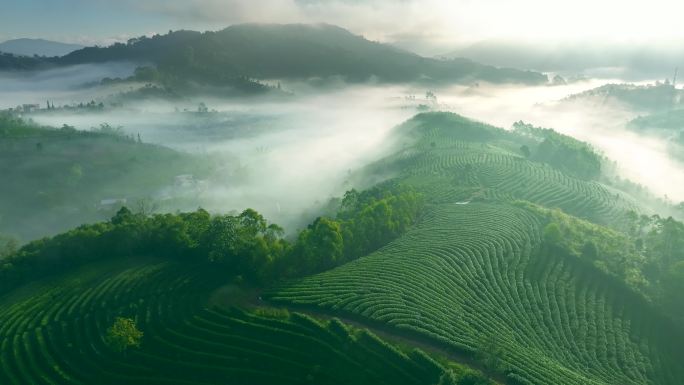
(244,245)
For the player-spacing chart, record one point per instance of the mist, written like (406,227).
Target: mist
(285,159)
(629,61)
(288,157)
(63,85)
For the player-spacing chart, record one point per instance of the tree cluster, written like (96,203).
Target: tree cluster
(365,221)
(123,334)
(661,242)
(647,254)
(243,245)
(560,151)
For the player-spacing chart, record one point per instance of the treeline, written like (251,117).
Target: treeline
(560,151)
(13,62)
(243,245)
(610,251)
(365,221)
(295,51)
(647,254)
(661,243)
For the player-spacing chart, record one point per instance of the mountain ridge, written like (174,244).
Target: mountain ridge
(290,51)
(39,47)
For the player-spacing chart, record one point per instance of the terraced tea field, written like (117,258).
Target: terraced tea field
(454,159)
(52,333)
(470,276)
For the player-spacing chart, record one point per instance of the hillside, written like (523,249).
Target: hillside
(291,51)
(56,179)
(497,279)
(55,332)
(455,159)
(37,47)
(481,247)
(471,277)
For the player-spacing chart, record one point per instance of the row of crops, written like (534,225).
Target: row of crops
(53,333)
(470,277)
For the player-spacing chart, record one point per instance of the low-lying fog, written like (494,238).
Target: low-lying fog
(61,85)
(287,157)
(282,158)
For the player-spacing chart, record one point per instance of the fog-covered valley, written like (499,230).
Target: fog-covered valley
(288,156)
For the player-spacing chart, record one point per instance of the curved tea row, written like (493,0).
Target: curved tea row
(469,276)
(53,334)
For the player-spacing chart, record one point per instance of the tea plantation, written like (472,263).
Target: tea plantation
(473,275)
(508,258)
(470,277)
(53,333)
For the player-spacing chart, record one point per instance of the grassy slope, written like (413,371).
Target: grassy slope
(472,276)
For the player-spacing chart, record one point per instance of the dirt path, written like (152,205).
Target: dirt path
(397,337)
(233,295)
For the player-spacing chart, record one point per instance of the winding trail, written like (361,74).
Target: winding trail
(251,299)
(399,337)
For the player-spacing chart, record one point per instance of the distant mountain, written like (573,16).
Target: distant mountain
(40,47)
(607,60)
(12,62)
(646,98)
(293,51)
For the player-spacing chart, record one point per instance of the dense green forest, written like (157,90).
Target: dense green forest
(244,245)
(563,152)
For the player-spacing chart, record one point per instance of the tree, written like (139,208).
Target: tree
(525,151)
(146,206)
(123,334)
(320,246)
(8,246)
(122,216)
(553,234)
(75,174)
(673,283)
(490,352)
(590,250)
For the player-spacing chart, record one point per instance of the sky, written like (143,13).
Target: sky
(424,26)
